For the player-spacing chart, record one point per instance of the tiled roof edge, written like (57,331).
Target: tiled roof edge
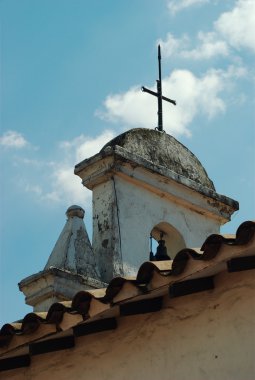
(81,302)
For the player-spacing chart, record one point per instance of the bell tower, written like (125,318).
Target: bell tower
(145,182)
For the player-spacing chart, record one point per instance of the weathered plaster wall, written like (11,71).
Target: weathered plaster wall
(164,150)
(70,267)
(193,226)
(137,211)
(131,195)
(73,251)
(204,336)
(106,243)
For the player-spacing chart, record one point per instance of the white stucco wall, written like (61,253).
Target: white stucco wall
(125,211)
(140,210)
(204,336)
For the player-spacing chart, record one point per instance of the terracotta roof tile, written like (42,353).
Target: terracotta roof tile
(191,270)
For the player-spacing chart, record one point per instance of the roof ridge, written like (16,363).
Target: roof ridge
(151,276)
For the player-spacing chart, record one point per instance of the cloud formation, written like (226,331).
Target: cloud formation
(233,30)
(194,94)
(175,6)
(86,146)
(13,139)
(208,46)
(237,25)
(57,182)
(59,186)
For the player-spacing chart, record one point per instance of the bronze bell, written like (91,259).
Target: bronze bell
(161,253)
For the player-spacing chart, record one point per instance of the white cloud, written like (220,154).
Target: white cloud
(59,185)
(232,30)
(57,182)
(35,189)
(175,6)
(129,108)
(85,146)
(173,46)
(194,95)
(234,72)
(208,46)
(13,139)
(237,26)
(62,187)
(32,162)
(66,187)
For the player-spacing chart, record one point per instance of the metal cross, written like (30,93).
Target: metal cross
(158,94)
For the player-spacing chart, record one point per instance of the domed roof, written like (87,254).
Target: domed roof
(164,150)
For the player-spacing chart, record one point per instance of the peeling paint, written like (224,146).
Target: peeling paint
(105,243)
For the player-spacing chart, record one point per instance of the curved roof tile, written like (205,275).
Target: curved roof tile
(103,299)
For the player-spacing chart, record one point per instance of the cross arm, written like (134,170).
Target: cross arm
(144,89)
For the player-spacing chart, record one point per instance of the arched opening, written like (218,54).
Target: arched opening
(174,241)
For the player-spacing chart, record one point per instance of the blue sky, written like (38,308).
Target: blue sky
(71,72)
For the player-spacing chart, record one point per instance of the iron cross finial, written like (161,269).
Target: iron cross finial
(158,94)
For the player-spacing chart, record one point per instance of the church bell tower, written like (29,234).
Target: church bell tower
(145,182)
(146,185)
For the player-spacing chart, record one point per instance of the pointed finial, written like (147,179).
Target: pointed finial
(75,211)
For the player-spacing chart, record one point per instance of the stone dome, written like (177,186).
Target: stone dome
(163,150)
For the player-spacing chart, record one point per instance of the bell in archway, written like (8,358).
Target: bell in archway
(161,253)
